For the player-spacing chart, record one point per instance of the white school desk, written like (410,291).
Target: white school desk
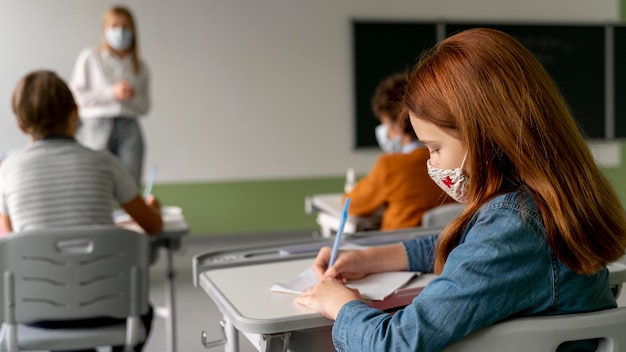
(239,280)
(175,227)
(329,207)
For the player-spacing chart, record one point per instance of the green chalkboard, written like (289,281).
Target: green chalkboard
(574,56)
(381,49)
(619,36)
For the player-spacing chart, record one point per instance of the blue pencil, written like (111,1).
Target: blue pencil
(151,177)
(342,223)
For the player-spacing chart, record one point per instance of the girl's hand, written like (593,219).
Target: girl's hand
(348,266)
(327,297)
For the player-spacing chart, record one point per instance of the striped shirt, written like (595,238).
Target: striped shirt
(59,183)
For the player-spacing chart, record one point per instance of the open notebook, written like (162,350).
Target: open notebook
(377,286)
(173,219)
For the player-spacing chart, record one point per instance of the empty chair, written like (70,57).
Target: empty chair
(440,216)
(545,334)
(68,274)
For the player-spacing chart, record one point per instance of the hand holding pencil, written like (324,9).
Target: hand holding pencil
(326,264)
(330,294)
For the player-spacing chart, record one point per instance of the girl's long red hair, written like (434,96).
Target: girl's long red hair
(487,89)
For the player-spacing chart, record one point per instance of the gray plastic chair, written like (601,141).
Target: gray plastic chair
(545,334)
(440,216)
(78,273)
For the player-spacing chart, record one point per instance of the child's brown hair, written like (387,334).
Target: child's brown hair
(43,104)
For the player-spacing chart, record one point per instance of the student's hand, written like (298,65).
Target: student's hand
(145,213)
(153,203)
(5,225)
(349,265)
(327,297)
(123,90)
(355,264)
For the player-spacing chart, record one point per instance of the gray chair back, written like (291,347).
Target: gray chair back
(440,216)
(547,333)
(74,273)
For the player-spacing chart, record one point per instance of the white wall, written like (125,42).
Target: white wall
(243,89)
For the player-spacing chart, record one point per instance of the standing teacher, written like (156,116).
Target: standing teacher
(110,85)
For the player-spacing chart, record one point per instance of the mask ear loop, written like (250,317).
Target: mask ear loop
(464,157)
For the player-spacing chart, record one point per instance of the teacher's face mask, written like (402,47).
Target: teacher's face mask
(119,38)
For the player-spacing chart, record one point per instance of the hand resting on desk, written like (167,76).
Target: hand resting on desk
(327,297)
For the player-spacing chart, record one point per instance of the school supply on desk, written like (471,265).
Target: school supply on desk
(373,287)
(350,181)
(173,219)
(150,183)
(342,224)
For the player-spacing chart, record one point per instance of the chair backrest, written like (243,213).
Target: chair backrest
(440,216)
(75,273)
(547,333)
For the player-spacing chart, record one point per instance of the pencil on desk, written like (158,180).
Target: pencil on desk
(342,224)
(148,190)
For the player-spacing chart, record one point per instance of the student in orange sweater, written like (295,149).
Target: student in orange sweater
(399,181)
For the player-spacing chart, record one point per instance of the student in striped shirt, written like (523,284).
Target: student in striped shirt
(56,182)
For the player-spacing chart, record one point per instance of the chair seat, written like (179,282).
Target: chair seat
(34,338)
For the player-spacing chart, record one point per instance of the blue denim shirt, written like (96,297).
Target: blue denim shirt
(502,268)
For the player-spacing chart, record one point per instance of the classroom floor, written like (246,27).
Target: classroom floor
(195,310)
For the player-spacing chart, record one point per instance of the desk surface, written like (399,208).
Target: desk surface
(244,295)
(239,282)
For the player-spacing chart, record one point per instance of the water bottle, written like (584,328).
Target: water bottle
(350,181)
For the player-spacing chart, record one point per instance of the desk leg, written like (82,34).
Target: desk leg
(232,337)
(170,299)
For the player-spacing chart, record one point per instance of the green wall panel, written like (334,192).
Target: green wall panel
(246,206)
(215,208)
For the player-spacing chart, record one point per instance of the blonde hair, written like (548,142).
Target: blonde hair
(122,11)
(487,89)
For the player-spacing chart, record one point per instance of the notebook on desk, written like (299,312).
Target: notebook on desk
(403,296)
(173,219)
(383,291)
(375,287)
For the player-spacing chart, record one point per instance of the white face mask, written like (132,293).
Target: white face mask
(387,145)
(452,181)
(119,38)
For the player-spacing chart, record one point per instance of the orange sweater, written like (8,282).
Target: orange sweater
(401,184)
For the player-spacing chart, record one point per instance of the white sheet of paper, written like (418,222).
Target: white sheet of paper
(374,286)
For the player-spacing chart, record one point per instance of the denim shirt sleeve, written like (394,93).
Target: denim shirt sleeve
(502,268)
(421,253)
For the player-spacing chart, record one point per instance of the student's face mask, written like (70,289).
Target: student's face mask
(452,181)
(119,38)
(388,145)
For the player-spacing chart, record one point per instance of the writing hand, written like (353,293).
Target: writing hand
(347,266)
